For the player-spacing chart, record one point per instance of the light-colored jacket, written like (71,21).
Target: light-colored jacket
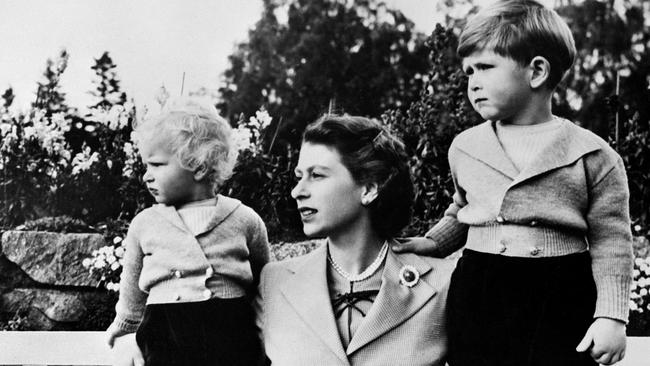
(165,263)
(405,326)
(572,197)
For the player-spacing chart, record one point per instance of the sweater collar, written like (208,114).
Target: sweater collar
(482,144)
(225,206)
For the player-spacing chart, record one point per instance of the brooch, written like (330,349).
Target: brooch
(409,276)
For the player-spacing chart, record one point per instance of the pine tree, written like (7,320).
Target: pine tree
(49,96)
(107,84)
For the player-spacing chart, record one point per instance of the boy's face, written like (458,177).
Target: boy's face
(167,181)
(498,87)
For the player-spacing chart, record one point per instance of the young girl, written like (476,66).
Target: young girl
(193,260)
(353,301)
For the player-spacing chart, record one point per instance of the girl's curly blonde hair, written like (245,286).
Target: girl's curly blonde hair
(197,134)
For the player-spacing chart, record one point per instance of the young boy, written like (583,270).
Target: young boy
(541,206)
(193,260)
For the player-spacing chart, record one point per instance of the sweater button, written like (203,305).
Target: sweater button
(500,219)
(533,223)
(209,272)
(207,294)
(501,247)
(177,297)
(178,274)
(534,251)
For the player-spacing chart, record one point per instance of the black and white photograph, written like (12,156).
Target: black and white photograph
(325,182)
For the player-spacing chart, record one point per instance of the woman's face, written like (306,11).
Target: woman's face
(329,200)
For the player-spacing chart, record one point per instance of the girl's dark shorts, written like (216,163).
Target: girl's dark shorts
(511,311)
(217,332)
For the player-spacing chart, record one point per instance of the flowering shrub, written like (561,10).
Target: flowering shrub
(59,164)
(262,180)
(640,297)
(105,264)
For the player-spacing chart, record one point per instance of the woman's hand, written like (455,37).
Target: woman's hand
(126,351)
(605,340)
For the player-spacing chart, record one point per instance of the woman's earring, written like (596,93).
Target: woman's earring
(364,202)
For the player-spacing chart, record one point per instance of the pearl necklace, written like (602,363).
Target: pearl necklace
(372,268)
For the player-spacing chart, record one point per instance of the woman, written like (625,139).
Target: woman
(353,301)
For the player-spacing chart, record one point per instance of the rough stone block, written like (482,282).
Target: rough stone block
(52,258)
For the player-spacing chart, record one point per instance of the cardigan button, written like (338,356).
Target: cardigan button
(178,274)
(209,272)
(502,247)
(177,297)
(500,219)
(534,251)
(207,294)
(533,223)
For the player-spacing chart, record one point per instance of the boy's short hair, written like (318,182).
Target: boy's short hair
(372,155)
(196,133)
(521,30)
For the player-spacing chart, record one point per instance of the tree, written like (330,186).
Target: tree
(48,95)
(107,84)
(429,126)
(359,57)
(8,98)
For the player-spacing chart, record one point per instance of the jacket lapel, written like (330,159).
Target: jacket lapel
(565,149)
(307,292)
(481,143)
(170,214)
(395,302)
(225,206)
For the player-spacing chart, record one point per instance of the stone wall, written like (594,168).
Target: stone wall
(43,281)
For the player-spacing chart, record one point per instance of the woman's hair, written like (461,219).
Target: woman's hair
(521,30)
(197,135)
(372,155)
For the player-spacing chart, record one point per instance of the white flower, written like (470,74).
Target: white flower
(115,266)
(100,264)
(575,101)
(119,252)
(633,306)
(117,240)
(242,138)
(84,160)
(637,228)
(87,262)
(643,292)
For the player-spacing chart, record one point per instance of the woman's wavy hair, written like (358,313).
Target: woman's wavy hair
(197,134)
(372,154)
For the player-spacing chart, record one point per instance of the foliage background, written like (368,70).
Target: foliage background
(357,57)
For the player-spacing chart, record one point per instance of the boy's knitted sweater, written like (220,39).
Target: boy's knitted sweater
(572,197)
(165,263)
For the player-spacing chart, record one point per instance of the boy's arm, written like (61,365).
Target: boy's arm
(446,237)
(610,241)
(131,303)
(449,234)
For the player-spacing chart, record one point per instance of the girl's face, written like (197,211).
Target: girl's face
(167,181)
(329,200)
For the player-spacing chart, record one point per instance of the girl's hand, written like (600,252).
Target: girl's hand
(126,352)
(605,340)
(112,333)
(417,245)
